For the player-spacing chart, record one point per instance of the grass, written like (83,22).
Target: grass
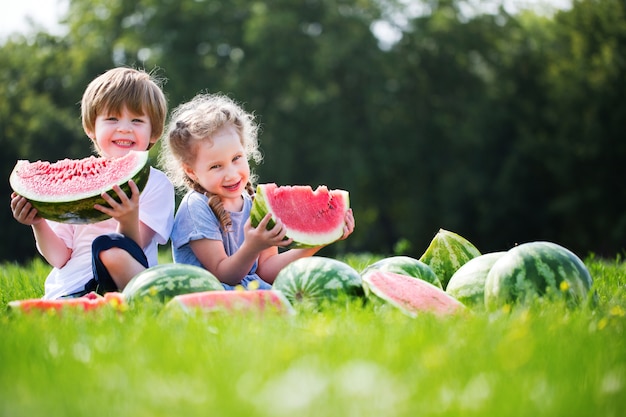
(350,360)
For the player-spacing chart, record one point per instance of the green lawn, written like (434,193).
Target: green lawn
(351,360)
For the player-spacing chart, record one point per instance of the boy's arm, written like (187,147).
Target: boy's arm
(50,245)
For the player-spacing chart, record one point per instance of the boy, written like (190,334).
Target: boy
(123,109)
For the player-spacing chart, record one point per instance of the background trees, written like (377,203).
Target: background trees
(504,128)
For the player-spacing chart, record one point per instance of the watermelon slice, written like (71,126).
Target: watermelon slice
(411,295)
(91,301)
(66,191)
(223,300)
(311,218)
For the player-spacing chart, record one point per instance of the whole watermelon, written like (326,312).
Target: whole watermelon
(163,282)
(405,265)
(313,281)
(468,283)
(537,269)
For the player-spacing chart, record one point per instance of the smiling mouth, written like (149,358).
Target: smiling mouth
(124,142)
(233,187)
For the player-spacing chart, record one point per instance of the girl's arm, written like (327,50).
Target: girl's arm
(232,269)
(50,245)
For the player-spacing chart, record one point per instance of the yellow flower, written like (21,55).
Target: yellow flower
(564,286)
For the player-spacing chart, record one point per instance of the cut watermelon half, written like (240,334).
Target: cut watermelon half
(411,295)
(223,300)
(311,217)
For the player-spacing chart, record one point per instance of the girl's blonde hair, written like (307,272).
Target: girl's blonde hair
(125,87)
(196,121)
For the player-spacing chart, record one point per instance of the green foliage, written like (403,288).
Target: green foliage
(505,128)
(540,360)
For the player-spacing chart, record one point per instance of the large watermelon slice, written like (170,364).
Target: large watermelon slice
(66,191)
(412,296)
(162,282)
(232,301)
(537,269)
(311,218)
(313,281)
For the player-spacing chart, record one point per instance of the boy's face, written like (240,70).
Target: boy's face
(117,134)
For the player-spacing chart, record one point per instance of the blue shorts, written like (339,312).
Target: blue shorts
(102,282)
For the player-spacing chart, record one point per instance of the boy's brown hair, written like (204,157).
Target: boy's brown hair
(125,87)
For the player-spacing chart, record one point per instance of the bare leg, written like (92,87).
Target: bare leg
(121,265)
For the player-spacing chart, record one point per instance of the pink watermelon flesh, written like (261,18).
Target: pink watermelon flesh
(71,179)
(298,206)
(259,300)
(311,217)
(411,295)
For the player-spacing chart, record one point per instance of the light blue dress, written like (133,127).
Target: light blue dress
(195,220)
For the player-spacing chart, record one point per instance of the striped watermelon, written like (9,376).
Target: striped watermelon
(468,283)
(311,218)
(405,265)
(162,282)
(311,282)
(446,253)
(66,191)
(537,269)
(412,296)
(231,301)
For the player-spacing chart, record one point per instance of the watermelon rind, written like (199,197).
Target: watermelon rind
(79,208)
(313,281)
(535,270)
(468,283)
(260,208)
(446,253)
(405,265)
(161,283)
(409,295)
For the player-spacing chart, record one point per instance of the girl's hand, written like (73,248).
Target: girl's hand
(261,238)
(23,211)
(349,226)
(126,208)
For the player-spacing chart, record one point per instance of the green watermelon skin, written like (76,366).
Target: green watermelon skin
(412,296)
(163,282)
(405,265)
(447,252)
(468,283)
(67,209)
(310,282)
(340,202)
(537,269)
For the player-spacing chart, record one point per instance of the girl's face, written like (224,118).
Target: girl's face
(221,167)
(116,135)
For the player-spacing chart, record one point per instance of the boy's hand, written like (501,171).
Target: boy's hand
(23,211)
(126,209)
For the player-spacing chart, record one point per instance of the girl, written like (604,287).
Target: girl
(123,109)
(205,152)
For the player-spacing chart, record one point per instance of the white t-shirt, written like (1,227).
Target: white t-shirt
(156,210)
